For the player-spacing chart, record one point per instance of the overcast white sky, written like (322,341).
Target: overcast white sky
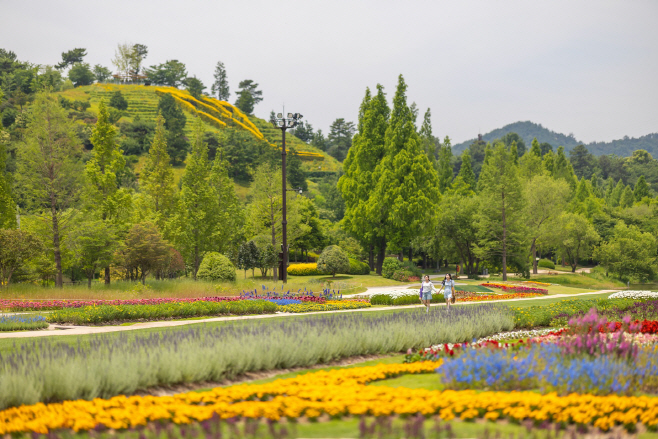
(584,67)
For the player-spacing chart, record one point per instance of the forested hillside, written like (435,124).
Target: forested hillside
(528,130)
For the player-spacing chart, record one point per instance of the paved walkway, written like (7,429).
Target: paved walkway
(57,330)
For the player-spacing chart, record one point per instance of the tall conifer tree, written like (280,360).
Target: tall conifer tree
(7,203)
(102,194)
(357,184)
(195,219)
(466,171)
(157,178)
(427,138)
(406,183)
(501,227)
(445,165)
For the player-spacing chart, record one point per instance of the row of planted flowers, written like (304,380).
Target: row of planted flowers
(516,288)
(336,393)
(265,294)
(102,314)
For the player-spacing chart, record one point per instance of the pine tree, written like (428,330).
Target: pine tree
(102,194)
(627,198)
(7,203)
(466,172)
(641,189)
(406,183)
(615,196)
(220,87)
(500,224)
(157,178)
(296,175)
(195,219)
(357,184)
(229,215)
(535,148)
(445,165)
(427,138)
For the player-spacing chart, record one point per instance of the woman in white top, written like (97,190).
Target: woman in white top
(448,288)
(426,290)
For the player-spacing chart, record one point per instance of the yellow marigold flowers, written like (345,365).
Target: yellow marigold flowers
(338,393)
(304,269)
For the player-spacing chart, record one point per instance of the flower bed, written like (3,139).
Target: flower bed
(636,295)
(479,298)
(337,393)
(517,288)
(330,305)
(556,314)
(22,323)
(92,315)
(533,282)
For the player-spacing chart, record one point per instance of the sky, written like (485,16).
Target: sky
(584,67)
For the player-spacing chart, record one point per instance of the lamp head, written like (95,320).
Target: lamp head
(290,115)
(279,115)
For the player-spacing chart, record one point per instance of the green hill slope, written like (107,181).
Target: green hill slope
(216,116)
(529,130)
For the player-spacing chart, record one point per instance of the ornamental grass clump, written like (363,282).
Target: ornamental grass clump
(105,365)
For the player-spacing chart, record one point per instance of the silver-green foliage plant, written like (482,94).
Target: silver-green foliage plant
(109,364)
(216,267)
(334,260)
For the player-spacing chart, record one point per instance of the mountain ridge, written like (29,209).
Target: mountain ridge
(529,130)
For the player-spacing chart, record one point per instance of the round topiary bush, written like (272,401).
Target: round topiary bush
(334,260)
(546,263)
(390,266)
(216,267)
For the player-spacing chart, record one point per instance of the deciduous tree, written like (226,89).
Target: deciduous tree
(144,250)
(333,260)
(630,254)
(576,237)
(17,247)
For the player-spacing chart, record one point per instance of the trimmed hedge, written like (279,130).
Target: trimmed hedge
(546,263)
(358,267)
(304,269)
(410,299)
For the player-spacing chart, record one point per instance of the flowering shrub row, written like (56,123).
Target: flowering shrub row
(637,295)
(330,305)
(517,288)
(479,298)
(304,269)
(90,315)
(22,323)
(45,305)
(336,393)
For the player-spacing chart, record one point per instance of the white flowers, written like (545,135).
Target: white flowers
(513,335)
(634,295)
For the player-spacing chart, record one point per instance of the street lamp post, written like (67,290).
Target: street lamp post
(284,123)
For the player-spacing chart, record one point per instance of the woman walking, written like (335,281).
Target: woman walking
(426,290)
(448,287)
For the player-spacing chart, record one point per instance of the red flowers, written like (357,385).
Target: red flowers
(517,288)
(647,327)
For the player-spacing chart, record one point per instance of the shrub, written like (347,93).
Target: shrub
(546,263)
(118,101)
(381,299)
(216,267)
(413,299)
(390,266)
(403,275)
(306,269)
(358,267)
(333,260)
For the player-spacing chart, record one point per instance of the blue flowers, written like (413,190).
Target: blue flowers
(545,367)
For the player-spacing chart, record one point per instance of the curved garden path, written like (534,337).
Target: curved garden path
(58,330)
